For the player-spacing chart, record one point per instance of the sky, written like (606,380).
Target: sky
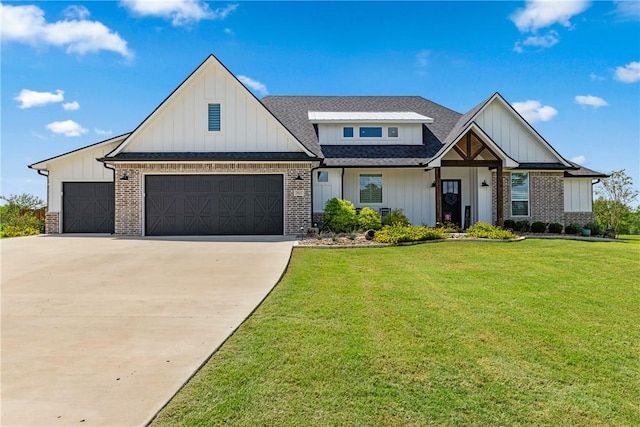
(76,73)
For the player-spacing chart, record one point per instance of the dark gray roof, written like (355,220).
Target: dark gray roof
(292,111)
(542,166)
(206,156)
(375,155)
(582,172)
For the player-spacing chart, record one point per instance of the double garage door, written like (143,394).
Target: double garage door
(213,205)
(184,205)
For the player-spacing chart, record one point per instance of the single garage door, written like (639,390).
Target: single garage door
(187,205)
(87,207)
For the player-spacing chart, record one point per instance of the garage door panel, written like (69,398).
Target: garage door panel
(88,207)
(214,204)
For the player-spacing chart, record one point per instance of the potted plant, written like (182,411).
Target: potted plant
(592,229)
(586,231)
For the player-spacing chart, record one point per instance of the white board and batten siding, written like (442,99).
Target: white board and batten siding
(324,191)
(80,166)
(512,136)
(408,134)
(181,123)
(578,195)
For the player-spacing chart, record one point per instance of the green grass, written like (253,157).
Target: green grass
(630,238)
(539,332)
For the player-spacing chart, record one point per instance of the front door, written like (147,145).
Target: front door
(451,204)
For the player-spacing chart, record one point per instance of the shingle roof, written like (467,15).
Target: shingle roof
(292,111)
(209,156)
(582,172)
(374,155)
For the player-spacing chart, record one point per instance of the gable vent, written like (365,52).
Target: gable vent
(214,117)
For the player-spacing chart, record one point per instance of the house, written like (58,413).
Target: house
(213,159)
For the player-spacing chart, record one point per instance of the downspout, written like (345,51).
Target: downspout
(342,185)
(311,183)
(114,189)
(40,172)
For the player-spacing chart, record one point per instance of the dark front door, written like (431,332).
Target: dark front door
(451,204)
(213,204)
(87,207)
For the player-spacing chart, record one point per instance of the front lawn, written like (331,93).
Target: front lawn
(539,332)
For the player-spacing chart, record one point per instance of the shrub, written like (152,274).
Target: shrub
(555,227)
(18,231)
(396,218)
(573,228)
(407,233)
(538,227)
(450,227)
(484,230)
(595,228)
(369,219)
(522,226)
(509,224)
(339,216)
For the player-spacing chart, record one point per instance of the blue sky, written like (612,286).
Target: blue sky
(75,73)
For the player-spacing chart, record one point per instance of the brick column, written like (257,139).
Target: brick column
(52,223)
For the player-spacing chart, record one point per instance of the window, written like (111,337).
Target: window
(392,132)
(214,117)
(520,194)
(323,176)
(371,132)
(347,132)
(370,188)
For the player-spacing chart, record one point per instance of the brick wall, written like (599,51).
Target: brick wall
(546,199)
(52,223)
(129,197)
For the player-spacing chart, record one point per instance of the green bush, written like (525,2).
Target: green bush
(396,218)
(484,230)
(509,224)
(450,227)
(555,227)
(538,227)
(369,219)
(407,233)
(595,228)
(573,228)
(18,231)
(522,226)
(339,216)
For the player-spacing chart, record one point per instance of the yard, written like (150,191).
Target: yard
(539,332)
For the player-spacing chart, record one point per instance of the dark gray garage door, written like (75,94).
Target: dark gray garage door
(87,207)
(187,205)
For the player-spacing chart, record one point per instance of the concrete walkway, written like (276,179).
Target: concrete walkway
(103,330)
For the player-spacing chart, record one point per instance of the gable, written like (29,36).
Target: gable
(509,132)
(183,122)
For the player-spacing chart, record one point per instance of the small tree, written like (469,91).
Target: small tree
(339,216)
(615,195)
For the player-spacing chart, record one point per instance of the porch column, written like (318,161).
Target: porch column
(438,197)
(499,196)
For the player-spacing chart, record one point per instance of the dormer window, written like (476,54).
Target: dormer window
(371,132)
(347,132)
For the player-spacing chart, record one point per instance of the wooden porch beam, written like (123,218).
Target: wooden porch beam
(499,197)
(438,197)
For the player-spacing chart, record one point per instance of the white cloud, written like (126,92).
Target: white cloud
(76,12)
(545,13)
(534,111)
(102,132)
(67,128)
(630,73)
(229,32)
(254,85)
(545,42)
(592,101)
(627,9)
(422,58)
(581,160)
(71,106)
(30,98)
(594,77)
(27,24)
(181,12)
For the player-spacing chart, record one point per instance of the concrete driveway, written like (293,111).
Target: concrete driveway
(103,330)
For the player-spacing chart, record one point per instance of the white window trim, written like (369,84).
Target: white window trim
(528,199)
(381,202)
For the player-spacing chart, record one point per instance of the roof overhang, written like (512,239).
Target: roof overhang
(368,117)
(44,164)
(507,161)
